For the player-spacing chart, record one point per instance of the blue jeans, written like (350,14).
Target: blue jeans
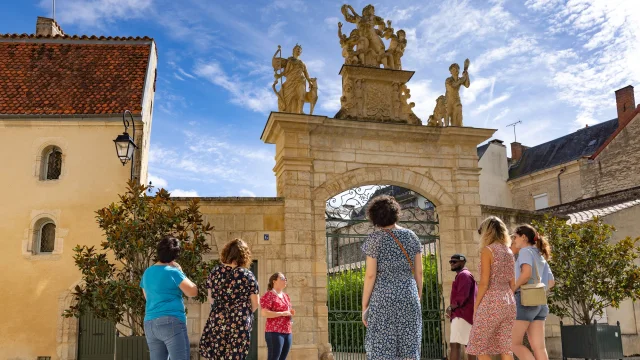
(278,345)
(167,338)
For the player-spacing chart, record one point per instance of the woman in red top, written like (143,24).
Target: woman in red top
(276,307)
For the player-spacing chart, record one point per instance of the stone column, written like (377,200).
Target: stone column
(305,263)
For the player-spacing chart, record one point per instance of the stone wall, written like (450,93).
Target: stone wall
(511,217)
(617,167)
(546,182)
(251,219)
(494,174)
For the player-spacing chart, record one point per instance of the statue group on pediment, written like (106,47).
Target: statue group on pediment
(368,92)
(364,45)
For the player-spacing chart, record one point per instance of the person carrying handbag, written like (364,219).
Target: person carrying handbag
(533,280)
(392,285)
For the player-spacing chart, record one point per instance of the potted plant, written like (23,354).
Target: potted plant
(110,287)
(591,274)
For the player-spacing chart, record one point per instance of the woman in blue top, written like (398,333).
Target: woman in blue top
(534,253)
(165,321)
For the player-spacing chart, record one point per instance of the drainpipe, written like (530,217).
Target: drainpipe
(559,188)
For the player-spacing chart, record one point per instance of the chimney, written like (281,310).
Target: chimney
(516,151)
(626,105)
(48,27)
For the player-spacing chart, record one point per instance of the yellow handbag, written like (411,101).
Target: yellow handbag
(533,294)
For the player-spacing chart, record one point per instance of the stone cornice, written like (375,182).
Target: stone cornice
(324,125)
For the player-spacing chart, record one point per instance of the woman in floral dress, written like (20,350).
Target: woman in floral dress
(495,307)
(233,294)
(392,286)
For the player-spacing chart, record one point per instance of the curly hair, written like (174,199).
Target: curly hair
(533,238)
(383,211)
(236,251)
(493,230)
(168,249)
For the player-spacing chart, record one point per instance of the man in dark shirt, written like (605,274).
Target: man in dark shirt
(463,297)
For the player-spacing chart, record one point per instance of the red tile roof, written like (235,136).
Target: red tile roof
(58,75)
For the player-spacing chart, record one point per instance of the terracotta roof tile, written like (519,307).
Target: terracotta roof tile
(52,78)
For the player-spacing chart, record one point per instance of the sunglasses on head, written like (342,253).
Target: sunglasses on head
(284,278)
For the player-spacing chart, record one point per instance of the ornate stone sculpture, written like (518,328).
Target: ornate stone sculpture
(452,94)
(439,112)
(368,92)
(293,92)
(367,38)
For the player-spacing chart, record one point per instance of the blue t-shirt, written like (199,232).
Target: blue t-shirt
(161,283)
(527,256)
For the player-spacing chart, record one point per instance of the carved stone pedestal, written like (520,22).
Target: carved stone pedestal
(376,94)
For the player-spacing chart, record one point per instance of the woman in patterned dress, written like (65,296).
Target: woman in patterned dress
(495,307)
(391,295)
(276,308)
(233,295)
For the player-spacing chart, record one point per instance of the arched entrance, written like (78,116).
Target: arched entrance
(318,157)
(346,230)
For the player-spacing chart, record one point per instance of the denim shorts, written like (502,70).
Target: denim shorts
(530,313)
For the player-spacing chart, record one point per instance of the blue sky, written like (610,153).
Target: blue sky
(551,64)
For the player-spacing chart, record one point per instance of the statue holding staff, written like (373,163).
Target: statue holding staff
(291,96)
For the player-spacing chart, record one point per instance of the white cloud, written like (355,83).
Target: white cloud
(245,192)
(314,66)
(275,29)
(158,182)
(212,159)
(97,13)
(438,35)
(332,23)
(603,58)
(424,96)
(520,45)
(178,77)
(184,193)
(401,14)
(329,93)
(477,87)
(181,71)
(493,102)
(255,98)
(292,5)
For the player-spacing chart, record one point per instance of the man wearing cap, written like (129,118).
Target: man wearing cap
(463,297)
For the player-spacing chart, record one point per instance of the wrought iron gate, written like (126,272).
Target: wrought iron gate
(347,228)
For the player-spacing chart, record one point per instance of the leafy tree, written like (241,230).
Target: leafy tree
(591,272)
(132,228)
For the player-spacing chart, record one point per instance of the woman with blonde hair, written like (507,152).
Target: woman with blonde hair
(233,295)
(534,253)
(495,308)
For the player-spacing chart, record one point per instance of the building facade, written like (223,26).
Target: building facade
(594,171)
(61,105)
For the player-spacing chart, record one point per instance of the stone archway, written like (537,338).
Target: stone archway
(67,331)
(346,231)
(318,157)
